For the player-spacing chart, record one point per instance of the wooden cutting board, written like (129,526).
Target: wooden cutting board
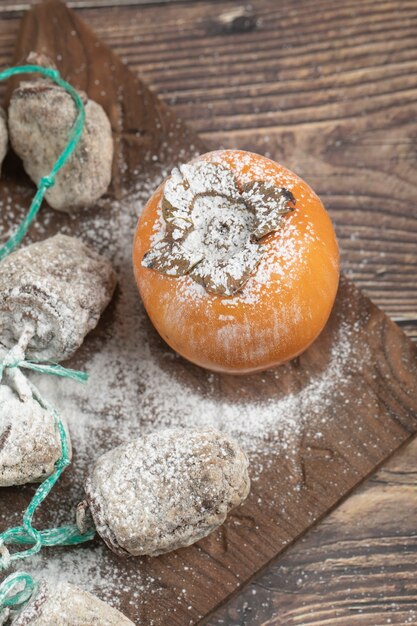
(350,400)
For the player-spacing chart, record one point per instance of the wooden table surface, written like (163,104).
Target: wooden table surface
(330,90)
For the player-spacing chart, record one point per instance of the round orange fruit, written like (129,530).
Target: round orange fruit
(236,261)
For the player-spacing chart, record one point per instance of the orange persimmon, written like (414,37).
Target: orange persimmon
(237,262)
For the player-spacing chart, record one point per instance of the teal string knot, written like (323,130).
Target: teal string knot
(46,182)
(15,358)
(17,600)
(74,136)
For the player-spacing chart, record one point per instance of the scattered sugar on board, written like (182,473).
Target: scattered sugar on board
(93,569)
(137,386)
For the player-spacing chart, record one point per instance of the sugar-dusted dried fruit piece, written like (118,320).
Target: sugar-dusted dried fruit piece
(4,139)
(58,288)
(164,491)
(30,444)
(67,605)
(40,117)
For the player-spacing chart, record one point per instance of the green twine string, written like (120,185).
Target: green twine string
(49,180)
(27,534)
(47,368)
(20,598)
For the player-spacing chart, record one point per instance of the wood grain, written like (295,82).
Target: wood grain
(388,399)
(327,89)
(15,7)
(357,568)
(145,132)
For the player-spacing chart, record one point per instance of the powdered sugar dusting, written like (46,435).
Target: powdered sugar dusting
(211,229)
(284,258)
(29,441)
(185,483)
(134,384)
(137,385)
(92,568)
